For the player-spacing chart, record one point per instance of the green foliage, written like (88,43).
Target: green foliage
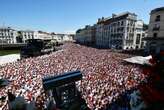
(6,52)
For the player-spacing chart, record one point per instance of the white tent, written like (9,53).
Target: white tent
(139,60)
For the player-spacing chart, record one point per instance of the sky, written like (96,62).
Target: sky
(66,16)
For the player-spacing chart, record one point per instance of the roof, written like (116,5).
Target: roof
(42,32)
(26,31)
(157,10)
(115,17)
(6,28)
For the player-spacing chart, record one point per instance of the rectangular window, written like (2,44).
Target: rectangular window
(157,18)
(127,29)
(118,23)
(138,39)
(156,27)
(155,35)
(122,23)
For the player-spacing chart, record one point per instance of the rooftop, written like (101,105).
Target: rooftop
(6,28)
(26,31)
(114,17)
(157,10)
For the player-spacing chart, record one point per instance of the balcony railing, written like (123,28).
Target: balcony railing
(156,28)
(157,19)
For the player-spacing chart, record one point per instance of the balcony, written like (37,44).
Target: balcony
(157,19)
(156,28)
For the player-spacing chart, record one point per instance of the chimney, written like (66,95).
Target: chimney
(99,19)
(113,15)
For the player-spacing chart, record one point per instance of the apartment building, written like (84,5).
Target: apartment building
(155,39)
(24,35)
(44,35)
(60,38)
(7,35)
(67,37)
(143,41)
(102,34)
(139,35)
(122,31)
(117,31)
(11,36)
(86,35)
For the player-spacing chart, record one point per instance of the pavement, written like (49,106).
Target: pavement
(9,58)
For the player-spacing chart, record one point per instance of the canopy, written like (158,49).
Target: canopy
(139,60)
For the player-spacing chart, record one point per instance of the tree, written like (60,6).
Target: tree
(145,27)
(19,37)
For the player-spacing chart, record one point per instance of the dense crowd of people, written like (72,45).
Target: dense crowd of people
(105,75)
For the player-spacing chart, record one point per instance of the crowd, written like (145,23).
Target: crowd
(105,75)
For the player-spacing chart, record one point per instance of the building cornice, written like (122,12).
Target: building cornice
(157,10)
